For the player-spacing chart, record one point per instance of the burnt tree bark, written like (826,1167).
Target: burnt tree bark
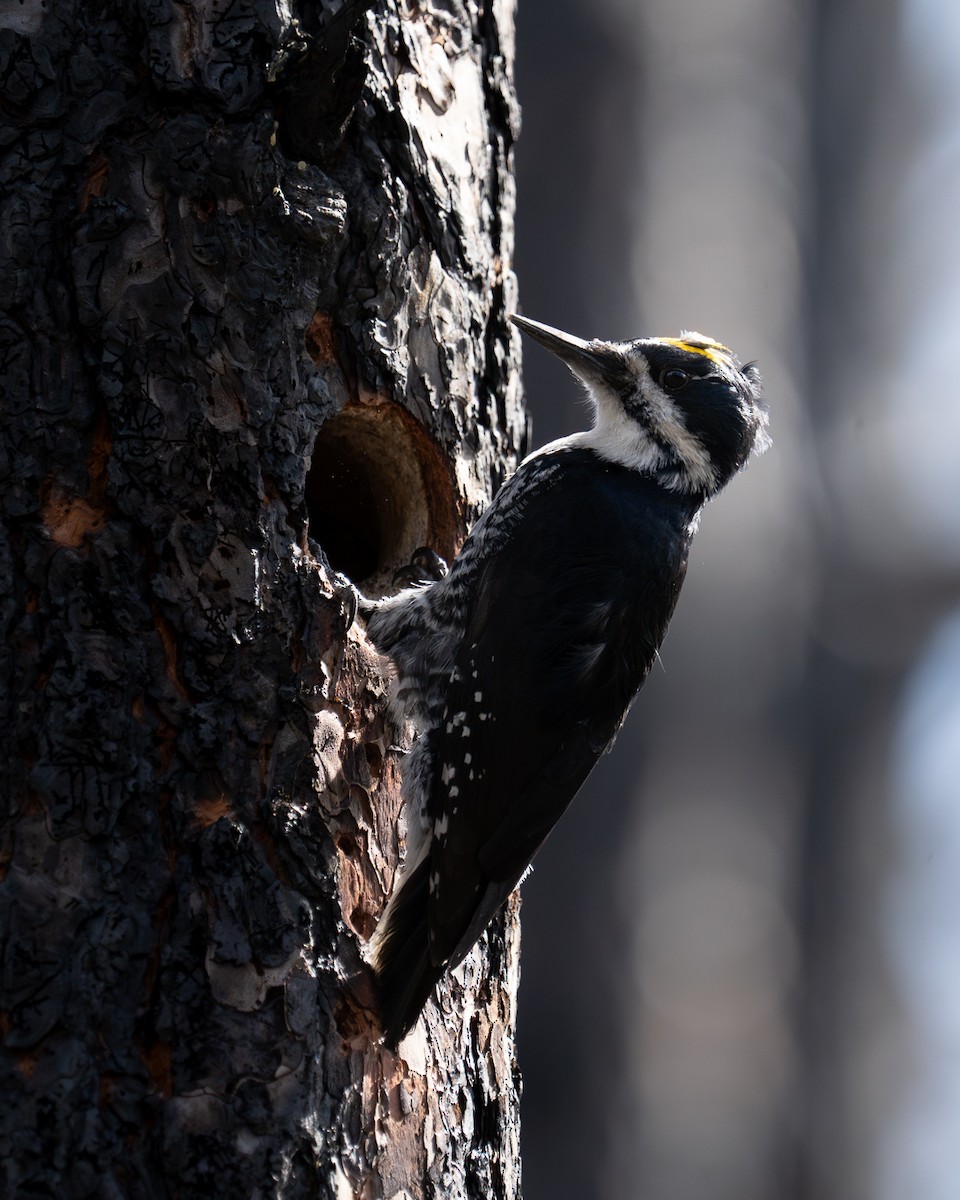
(256,270)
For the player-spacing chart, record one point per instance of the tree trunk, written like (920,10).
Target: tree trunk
(256,276)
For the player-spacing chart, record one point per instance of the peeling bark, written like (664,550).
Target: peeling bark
(256,270)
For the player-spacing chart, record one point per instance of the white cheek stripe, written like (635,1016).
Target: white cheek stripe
(669,425)
(615,428)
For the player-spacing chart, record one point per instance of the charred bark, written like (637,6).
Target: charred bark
(256,270)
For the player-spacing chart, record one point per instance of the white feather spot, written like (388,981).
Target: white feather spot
(448,772)
(468,759)
(477,697)
(454,792)
(440,826)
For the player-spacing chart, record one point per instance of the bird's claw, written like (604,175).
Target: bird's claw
(425,566)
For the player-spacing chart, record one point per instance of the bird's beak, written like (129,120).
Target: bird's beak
(588,360)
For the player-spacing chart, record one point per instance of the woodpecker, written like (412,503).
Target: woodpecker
(518,666)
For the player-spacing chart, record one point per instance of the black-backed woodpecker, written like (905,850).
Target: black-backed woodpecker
(518,666)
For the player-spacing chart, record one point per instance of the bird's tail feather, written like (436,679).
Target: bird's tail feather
(401,956)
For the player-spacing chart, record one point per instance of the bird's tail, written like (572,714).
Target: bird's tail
(401,956)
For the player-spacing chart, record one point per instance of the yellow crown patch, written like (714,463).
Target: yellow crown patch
(698,343)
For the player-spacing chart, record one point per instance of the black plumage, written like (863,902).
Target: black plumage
(520,665)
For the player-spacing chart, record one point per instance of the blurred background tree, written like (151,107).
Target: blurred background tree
(745,935)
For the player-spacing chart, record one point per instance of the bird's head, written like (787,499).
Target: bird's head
(680,409)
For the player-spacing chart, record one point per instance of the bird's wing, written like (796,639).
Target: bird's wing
(558,643)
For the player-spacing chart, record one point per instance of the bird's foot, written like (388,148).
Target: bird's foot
(425,566)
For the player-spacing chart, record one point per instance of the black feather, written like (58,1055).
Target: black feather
(405,975)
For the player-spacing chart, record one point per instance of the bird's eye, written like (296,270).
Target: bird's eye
(673,379)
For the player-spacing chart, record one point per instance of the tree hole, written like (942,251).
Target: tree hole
(377,490)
